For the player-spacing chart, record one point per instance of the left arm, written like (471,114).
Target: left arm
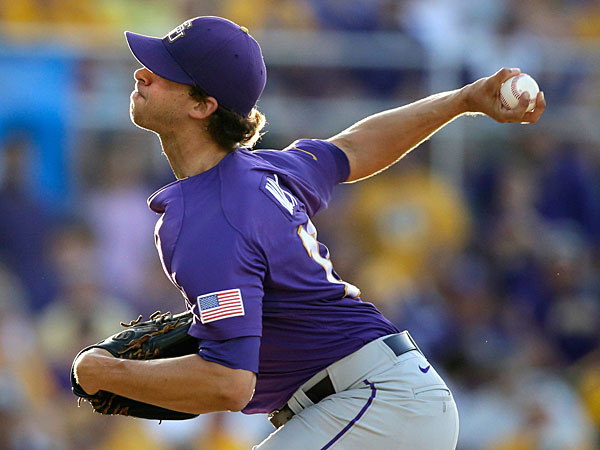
(378,141)
(186,383)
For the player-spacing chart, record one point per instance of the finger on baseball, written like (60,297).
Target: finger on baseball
(517,114)
(505,73)
(523,102)
(540,106)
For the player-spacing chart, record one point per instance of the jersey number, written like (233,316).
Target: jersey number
(308,236)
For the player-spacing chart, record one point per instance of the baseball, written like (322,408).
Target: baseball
(512,89)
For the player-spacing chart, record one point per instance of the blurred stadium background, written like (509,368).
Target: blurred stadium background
(484,242)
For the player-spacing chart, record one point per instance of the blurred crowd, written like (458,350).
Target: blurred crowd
(495,274)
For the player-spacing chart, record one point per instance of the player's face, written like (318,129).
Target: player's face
(158,104)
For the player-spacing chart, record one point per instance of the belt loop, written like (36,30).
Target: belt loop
(414,343)
(298,404)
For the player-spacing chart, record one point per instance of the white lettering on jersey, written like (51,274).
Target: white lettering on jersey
(285,198)
(308,236)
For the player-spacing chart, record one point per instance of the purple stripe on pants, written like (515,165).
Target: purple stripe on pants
(356,419)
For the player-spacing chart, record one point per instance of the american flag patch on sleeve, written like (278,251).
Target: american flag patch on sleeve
(220,305)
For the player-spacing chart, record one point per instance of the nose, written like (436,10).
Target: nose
(142,75)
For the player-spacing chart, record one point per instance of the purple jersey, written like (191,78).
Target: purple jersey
(238,242)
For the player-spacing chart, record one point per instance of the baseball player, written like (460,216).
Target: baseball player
(279,331)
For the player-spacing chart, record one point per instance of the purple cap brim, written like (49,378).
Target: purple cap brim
(153,55)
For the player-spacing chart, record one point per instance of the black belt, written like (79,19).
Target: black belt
(399,343)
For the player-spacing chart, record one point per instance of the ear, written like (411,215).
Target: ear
(203,109)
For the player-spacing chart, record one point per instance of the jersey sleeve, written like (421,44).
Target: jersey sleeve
(318,161)
(237,353)
(221,274)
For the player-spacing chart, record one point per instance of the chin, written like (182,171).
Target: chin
(137,119)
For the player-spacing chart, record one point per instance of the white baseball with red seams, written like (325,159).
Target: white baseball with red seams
(512,89)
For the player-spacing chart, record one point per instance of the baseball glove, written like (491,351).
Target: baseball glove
(163,336)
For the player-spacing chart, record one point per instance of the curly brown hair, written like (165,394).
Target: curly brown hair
(230,129)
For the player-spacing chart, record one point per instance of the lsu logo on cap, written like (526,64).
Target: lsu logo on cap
(179,31)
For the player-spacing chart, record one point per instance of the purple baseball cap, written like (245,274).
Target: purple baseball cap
(213,53)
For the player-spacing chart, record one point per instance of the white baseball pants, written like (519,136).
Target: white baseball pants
(382,402)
